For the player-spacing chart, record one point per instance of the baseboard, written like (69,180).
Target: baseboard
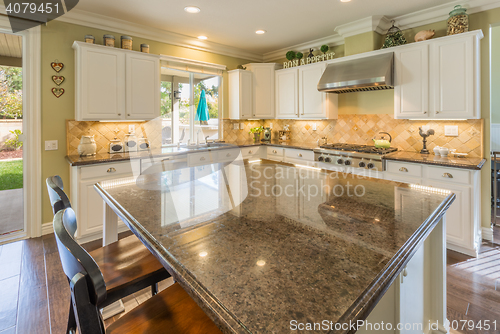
(463,250)
(47,228)
(487,233)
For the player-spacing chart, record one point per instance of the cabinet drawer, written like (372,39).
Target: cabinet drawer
(275,153)
(227,155)
(104,170)
(449,175)
(299,154)
(407,169)
(250,152)
(198,159)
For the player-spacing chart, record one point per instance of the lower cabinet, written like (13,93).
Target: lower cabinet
(463,219)
(87,203)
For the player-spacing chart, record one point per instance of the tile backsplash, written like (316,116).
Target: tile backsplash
(103,132)
(360,129)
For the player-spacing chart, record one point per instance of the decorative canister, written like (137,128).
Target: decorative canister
(115,146)
(87,146)
(143,144)
(130,142)
(458,22)
(145,48)
(89,39)
(108,40)
(126,42)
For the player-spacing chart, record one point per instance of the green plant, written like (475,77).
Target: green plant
(324,48)
(290,55)
(299,55)
(257,129)
(14,143)
(11,93)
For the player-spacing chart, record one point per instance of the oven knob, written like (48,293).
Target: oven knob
(340,161)
(321,158)
(328,159)
(347,162)
(370,165)
(362,164)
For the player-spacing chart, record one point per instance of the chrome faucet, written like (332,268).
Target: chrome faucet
(206,139)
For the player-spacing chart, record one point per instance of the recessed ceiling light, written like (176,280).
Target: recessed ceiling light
(345,0)
(260,32)
(202,37)
(192,9)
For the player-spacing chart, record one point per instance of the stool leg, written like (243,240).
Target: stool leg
(71,329)
(154,289)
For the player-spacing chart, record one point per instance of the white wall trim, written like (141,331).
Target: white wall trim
(186,61)
(487,233)
(376,23)
(47,228)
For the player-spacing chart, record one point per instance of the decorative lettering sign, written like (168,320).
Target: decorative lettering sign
(308,60)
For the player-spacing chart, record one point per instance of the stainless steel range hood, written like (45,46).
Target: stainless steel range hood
(357,75)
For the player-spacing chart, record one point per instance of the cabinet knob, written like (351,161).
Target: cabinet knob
(425,112)
(403,169)
(299,155)
(437,112)
(275,152)
(111,170)
(250,152)
(128,114)
(119,114)
(448,175)
(202,159)
(228,155)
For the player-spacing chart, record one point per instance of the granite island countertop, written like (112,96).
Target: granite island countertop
(253,263)
(431,159)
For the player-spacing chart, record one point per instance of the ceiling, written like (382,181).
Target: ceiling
(234,22)
(11,45)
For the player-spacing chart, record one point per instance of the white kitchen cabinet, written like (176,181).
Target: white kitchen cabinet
(115,84)
(240,94)
(287,93)
(439,78)
(142,81)
(297,94)
(411,89)
(87,203)
(263,89)
(463,219)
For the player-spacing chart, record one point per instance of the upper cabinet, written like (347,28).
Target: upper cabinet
(240,94)
(439,79)
(115,84)
(297,95)
(263,89)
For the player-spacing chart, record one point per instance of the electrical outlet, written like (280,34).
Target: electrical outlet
(270,126)
(242,126)
(131,128)
(451,130)
(51,145)
(236,126)
(314,127)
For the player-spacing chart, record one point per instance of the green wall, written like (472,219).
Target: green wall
(57,41)
(364,42)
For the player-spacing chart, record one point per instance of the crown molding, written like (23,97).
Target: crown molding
(377,23)
(331,40)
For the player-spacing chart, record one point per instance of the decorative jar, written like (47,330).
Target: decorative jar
(109,40)
(126,42)
(145,48)
(458,22)
(89,39)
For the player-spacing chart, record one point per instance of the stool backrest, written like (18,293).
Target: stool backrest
(88,289)
(58,198)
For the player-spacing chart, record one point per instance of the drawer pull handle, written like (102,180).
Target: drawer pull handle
(403,169)
(425,112)
(111,170)
(299,155)
(448,175)
(275,152)
(228,155)
(165,159)
(128,114)
(437,112)
(119,114)
(202,159)
(250,152)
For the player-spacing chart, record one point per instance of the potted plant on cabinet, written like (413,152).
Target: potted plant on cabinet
(256,132)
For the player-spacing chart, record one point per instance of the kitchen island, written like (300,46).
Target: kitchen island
(268,248)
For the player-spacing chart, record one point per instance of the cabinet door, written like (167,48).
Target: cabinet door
(100,84)
(312,103)
(452,78)
(287,95)
(459,222)
(245,91)
(411,90)
(263,91)
(90,209)
(143,87)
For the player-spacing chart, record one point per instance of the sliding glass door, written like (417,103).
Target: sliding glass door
(190,106)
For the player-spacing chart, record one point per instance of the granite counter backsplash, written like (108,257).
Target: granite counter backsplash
(360,129)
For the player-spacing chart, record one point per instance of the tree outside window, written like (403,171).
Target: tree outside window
(11,92)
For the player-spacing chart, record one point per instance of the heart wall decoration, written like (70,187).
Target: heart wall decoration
(58,80)
(57,92)
(57,66)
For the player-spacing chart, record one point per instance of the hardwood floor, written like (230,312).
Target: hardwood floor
(35,292)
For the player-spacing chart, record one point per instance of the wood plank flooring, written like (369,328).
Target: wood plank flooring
(35,292)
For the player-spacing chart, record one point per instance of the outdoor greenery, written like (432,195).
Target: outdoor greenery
(14,143)
(11,92)
(11,175)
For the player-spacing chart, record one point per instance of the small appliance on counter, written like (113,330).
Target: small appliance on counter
(143,144)
(130,142)
(267,134)
(116,146)
(87,146)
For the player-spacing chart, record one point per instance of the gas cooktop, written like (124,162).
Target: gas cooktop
(358,148)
